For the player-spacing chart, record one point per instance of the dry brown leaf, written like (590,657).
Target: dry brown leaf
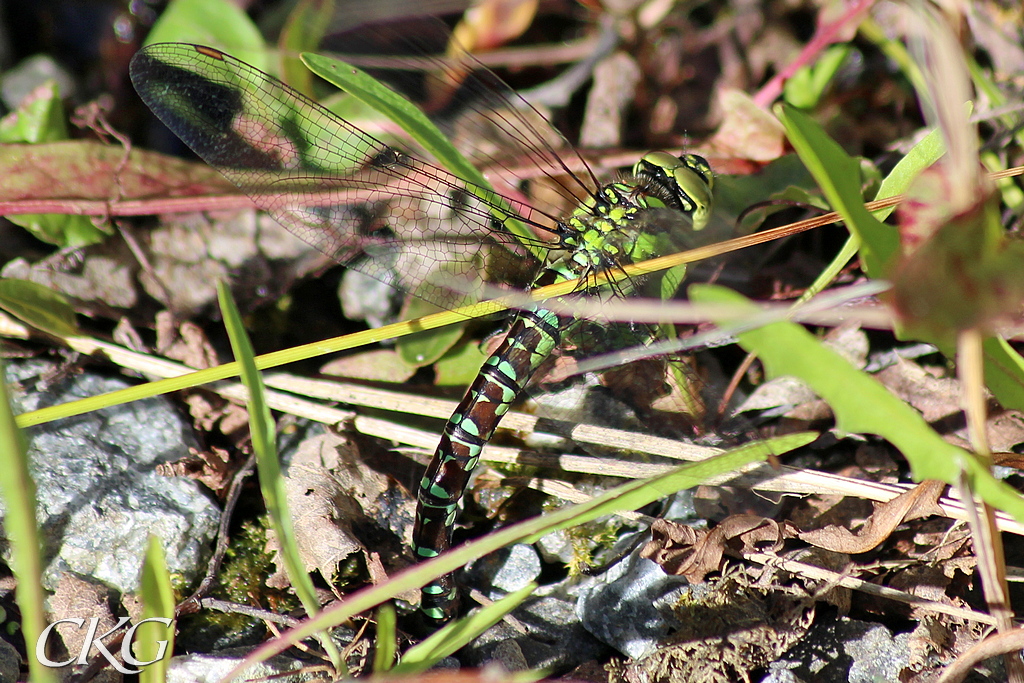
(929,582)
(492,23)
(210,467)
(332,491)
(322,515)
(615,81)
(694,553)
(747,130)
(1005,431)
(186,342)
(935,397)
(920,501)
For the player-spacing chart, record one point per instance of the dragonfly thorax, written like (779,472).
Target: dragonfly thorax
(602,232)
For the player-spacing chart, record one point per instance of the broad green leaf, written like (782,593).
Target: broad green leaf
(861,404)
(38,120)
(62,230)
(38,306)
(838,175)
(460,366)
(218,23)
(921,156)
(785,178)
(423,348)
(1004,372)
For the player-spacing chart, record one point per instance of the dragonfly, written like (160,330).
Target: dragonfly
(412,224)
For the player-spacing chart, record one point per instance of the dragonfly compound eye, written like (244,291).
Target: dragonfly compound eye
(683,183)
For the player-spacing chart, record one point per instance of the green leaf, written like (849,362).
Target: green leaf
(39,118)
(460,366)
(38,306)
(1004,372)
(264,445)
(838,175)
(385,645)
(414,122)
(423,348)
(454,636)
(218,23)
(307,24)
(153,640)
(62,230)
(784,178)
(921,156)
(860,403)
(18,491)
(808,84)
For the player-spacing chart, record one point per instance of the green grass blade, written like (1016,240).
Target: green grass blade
(270,360)
(19,495)
(414,122)
(458,634)
(153,640)
(264,444)
(386,642)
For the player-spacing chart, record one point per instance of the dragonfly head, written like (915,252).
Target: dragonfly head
(683,183)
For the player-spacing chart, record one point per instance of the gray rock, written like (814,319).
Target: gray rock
(554,640)
(628,607)
(556,547)
(509,654)
(878,655)
(848,650)
(504,571)
(201,668)
(366,298)
(10,662)
(98,494)
(781,672)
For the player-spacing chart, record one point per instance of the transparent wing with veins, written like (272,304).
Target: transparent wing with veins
(356,199)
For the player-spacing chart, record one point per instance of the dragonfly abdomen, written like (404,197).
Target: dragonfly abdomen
(531,338)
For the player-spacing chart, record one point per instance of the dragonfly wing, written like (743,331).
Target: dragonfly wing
(349,195)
